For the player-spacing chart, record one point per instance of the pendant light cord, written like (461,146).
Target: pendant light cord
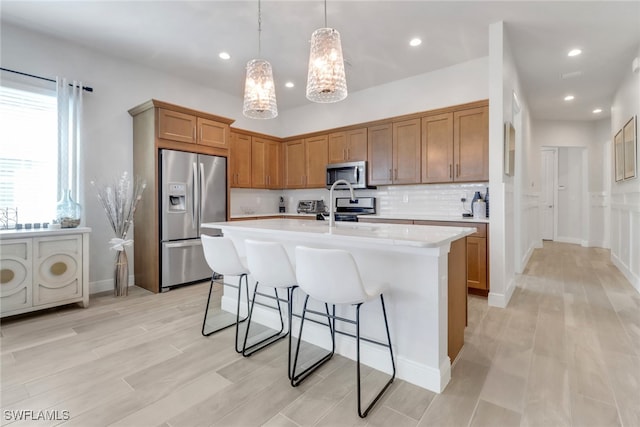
(260,28)
(325,14)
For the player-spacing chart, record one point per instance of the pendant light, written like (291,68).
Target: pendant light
(259,90)
(326,81)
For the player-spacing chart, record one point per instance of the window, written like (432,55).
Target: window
(29,153)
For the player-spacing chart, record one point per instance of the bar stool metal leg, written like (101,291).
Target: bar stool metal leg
(393,365)
(248,351)
(237,319)
(297,378)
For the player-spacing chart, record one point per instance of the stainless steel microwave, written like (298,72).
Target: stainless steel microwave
(355,173)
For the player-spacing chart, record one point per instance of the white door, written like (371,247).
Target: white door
(548,186)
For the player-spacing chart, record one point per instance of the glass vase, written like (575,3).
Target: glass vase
(121,279)
(68,212)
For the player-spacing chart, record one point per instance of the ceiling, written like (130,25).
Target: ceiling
(184,39)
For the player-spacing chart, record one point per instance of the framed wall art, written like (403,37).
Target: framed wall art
(618,155)
(509,149)
(629,137)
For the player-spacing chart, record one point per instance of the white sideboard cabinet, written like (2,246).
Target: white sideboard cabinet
(43,269)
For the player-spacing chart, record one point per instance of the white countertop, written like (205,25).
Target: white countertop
(387,234)
(41,232)
(260,215)
(423,217)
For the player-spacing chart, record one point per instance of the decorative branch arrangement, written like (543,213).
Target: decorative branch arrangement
(119,201)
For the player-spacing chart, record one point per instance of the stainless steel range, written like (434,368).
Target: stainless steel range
(348,210)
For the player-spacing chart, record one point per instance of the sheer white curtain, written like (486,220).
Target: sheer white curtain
(70,171)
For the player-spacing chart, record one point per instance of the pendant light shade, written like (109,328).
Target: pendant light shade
(259,91)
(326,81)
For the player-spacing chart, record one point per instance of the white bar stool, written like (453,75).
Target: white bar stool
(222,257)
(270,266)
(332,276)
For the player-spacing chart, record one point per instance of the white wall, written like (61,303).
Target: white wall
(511,238)
(625,196)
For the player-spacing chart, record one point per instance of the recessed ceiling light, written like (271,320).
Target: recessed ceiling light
(597,111)
(574,52)
(569,98)
(415,42)
(289,84)
(224,55)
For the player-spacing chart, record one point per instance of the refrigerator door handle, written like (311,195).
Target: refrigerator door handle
(196,195)
(184,244)
(201,187)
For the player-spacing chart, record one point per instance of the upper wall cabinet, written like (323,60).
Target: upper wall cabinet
(394,153)
(305,162)
(240,161)
(455,146)
(266,170)
(182,127)
(348,146)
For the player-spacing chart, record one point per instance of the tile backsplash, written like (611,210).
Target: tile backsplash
(432,199)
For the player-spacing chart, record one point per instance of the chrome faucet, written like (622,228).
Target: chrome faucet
(332,201)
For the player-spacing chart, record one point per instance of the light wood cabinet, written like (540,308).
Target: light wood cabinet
(348,146)
(305,162)
(471,144)
(183,127)
(455,146)
(44,271)
(265,163)
(240,160)
(406,152)
(316,159)
(394,153)
(380,154)
(294,164)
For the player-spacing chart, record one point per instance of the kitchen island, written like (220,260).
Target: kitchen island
(412,259)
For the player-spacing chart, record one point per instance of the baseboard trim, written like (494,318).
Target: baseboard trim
(632,278)
(106,285)
(575,241)
(502,300)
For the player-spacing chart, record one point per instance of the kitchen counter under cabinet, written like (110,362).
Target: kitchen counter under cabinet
(426,298)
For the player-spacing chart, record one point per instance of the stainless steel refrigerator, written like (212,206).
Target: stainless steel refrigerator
(194,190)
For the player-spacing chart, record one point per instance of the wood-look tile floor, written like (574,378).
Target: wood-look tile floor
(565,352)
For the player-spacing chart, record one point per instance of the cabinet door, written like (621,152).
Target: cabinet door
(406,152)
(273,164)
(380,154)
(57,269)
(240,160)
(258,171)
(471,144)
(16,266)
(337,147)
(477,263)
(294,164)
(316,151)
(437,148)
(176,126)
(357,145)
(212,133)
